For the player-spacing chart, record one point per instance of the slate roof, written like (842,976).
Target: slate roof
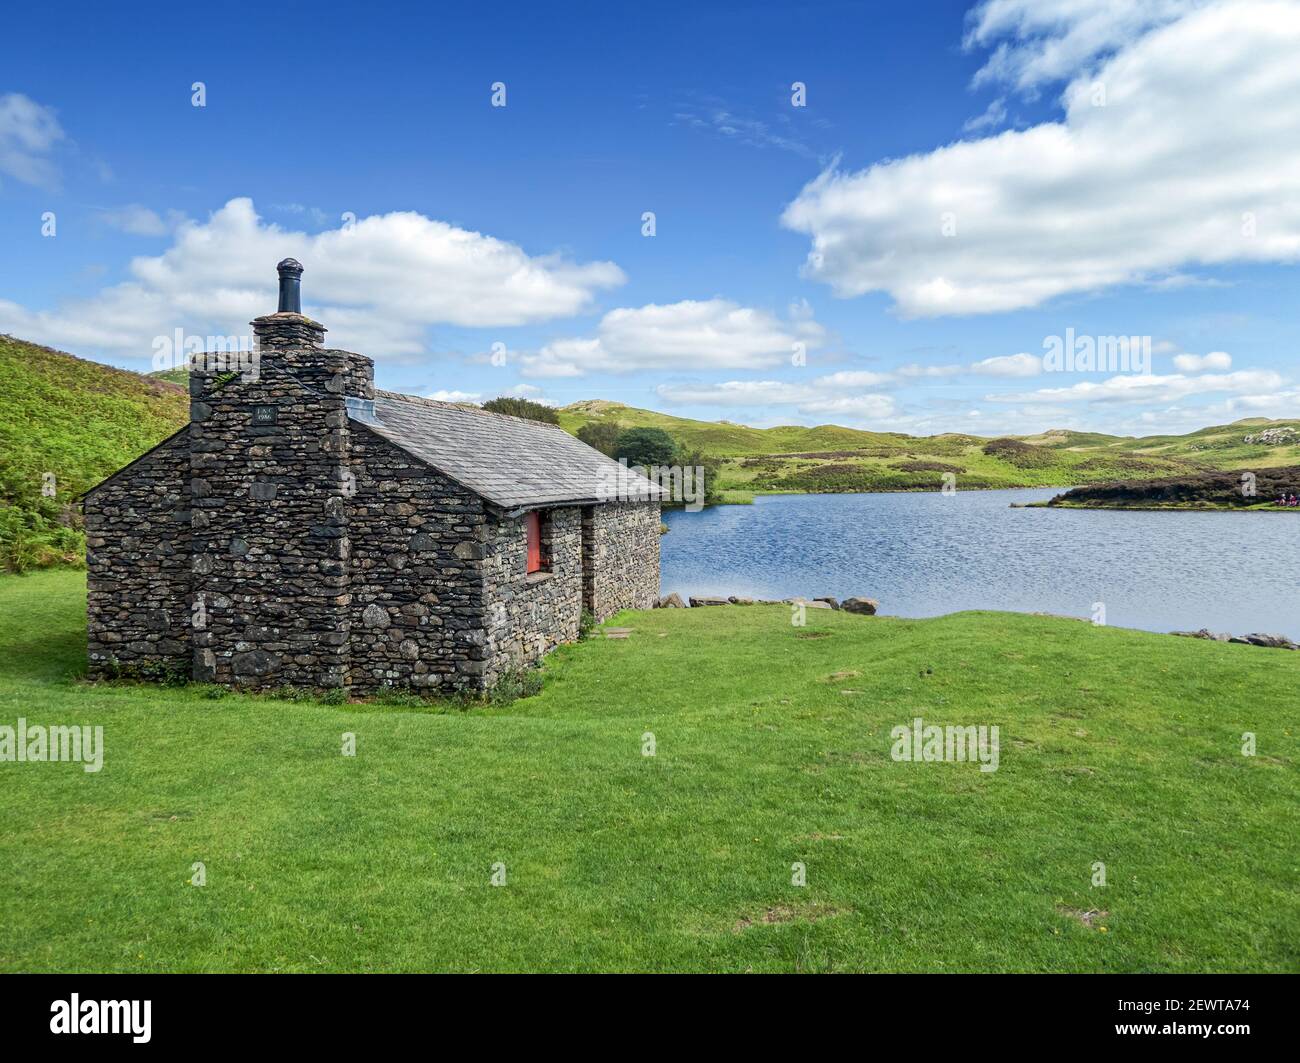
(512,462)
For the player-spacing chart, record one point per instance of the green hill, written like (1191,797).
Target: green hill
(74,419)
(830,458)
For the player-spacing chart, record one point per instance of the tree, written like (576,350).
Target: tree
(704,469)
(645,447)
(603,435)
(532,411)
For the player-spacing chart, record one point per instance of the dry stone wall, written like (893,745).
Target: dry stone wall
(418,543)
(138,568)
(623,548)
(269,528)
(529,614)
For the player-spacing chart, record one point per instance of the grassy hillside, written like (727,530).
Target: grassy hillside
(772,748)
(832,458)
(78,420)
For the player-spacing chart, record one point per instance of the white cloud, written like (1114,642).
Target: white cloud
(915,371)
(28,132)
(1149,388)
(1284,404)
(443,395)
(1190,162)
(138,221)
(377,287)
(1051,39)
(716,117)
(859,408)
(828,395)
(690,335)
(737,393)
(1014,365)
(1196,363)
(854,379)
(527,391)
(1009,365)
(994,115)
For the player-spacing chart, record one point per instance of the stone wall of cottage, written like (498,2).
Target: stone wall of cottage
(622,557)
(138,568)
(269,527)
(276,542)
(418,544)
(530,614)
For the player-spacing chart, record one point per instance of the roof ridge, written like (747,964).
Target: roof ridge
(466,407)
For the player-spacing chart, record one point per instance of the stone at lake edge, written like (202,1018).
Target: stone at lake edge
(862,606)
(1276,642)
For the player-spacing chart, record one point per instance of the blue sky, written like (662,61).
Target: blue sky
(962,183)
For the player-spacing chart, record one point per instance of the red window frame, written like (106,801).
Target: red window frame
(533,529)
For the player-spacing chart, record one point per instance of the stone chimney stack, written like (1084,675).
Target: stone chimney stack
(288,327)
(296,343)
(269,458)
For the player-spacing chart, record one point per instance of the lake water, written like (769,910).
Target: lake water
(929,554)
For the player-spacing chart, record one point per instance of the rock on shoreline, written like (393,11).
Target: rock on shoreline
(861,606)
(1277,642)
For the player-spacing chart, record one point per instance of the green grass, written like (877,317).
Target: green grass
(79,421)
(1117,746)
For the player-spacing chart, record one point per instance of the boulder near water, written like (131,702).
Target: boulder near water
(863,606)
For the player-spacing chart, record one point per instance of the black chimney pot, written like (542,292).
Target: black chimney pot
(290,271)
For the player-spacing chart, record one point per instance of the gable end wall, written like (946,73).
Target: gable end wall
(622,546)
(138,568)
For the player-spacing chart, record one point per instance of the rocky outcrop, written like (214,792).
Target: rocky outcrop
(1277,642)
(1273,437)
(861,606)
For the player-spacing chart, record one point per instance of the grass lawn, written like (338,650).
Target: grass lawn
(1116,746)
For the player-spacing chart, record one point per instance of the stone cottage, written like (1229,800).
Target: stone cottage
(307,529)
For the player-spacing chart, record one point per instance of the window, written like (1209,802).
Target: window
(538,530)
